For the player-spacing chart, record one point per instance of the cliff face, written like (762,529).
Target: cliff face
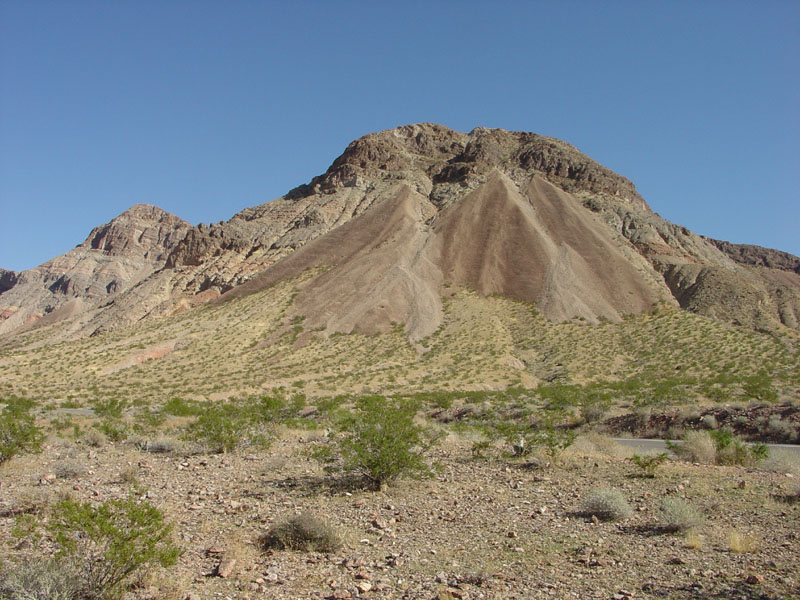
(402,213)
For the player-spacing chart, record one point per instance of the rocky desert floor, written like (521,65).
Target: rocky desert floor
(491,528)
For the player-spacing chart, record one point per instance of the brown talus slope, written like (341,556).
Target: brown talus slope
(404,213)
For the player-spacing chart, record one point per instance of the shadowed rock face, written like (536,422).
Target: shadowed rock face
(402,213)
(8,279)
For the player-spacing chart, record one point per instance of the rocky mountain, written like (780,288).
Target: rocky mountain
(398,219)
(115,257)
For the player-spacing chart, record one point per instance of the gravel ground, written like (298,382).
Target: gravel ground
(491,528)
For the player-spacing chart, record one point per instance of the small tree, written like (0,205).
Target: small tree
(111,542)
(382,442)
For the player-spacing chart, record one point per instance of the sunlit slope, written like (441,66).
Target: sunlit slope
(253,344)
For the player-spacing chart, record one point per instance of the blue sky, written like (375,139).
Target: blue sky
(204,108)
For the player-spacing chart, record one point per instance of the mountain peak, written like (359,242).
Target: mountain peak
(434,158)
(143,230)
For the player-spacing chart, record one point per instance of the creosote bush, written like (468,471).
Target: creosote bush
(649,464)
(111,542)
(18,432)
(305,532)
(607,504)
(382,442)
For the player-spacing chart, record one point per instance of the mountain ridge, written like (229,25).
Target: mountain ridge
(147,263)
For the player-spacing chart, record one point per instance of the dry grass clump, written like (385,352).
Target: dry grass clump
(782,461)
(302,532)
(678,516)
(94,438)
(161,445)
(698,447)
(594,444)
(607,504)
(693,540)
(741,543)
(39,580)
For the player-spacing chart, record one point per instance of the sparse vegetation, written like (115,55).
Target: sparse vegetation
(649,464)
(607,504)
(52,579)
(382,442)
(111,542)
(18,431)
(676,515)
(718,447)
(305,531)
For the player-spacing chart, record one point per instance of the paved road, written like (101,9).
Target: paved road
(661,446)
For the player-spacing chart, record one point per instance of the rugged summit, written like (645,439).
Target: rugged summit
(400,217)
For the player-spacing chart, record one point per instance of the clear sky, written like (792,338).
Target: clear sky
(204,108)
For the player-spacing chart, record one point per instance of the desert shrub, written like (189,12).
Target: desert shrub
(68,469)
(709,422)
(94,438)
(111,408)
(677,515)
(381,442)
(593,412)
(113,429)
(179,407)
(111,542)
(161,445)
(18,432)
(148,420)
(302,532)
(649,464)
(782,461)
(225,426)
(718,447)
(39,580)
(607,504)
(741,543)
(732,451)
(782,429)
(697,446)
(546,433)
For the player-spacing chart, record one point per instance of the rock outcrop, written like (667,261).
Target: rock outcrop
(115,257)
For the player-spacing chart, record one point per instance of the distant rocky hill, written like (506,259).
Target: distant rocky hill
(115,257)
(399,218)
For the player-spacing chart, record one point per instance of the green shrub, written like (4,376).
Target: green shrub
(677,515)
(607,504)
(649,464)
(302,532)
(111,408)
(179,407)
(18,433)
(732,451)
(382,442)
(111,542)
(113,429)
(225,426)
